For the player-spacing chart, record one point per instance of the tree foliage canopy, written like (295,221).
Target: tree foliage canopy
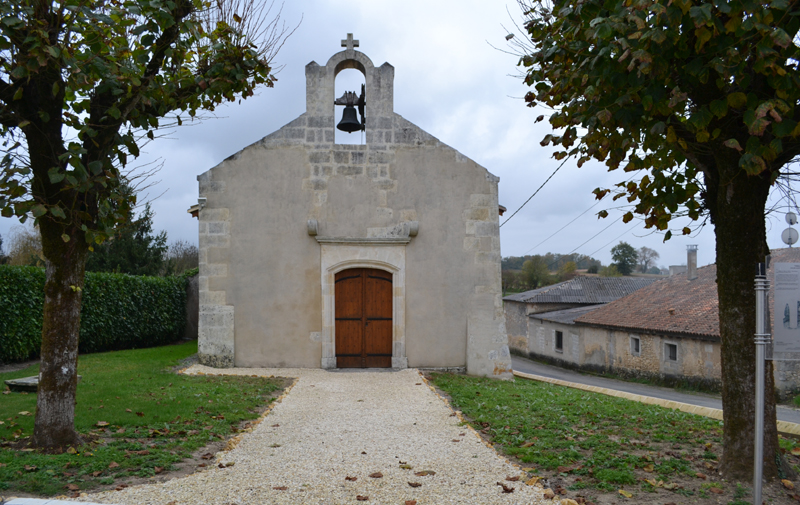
(625,257)
(83,83)
(677,88)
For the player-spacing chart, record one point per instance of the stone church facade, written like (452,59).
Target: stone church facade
(315,254)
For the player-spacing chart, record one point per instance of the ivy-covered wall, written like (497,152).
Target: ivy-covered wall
(119,311)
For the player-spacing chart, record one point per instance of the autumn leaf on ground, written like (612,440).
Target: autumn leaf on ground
(101,424)
(72,487)
(406,466)
(625,493)
(513,479)
(376,475)
(140,414)
(701,476)
(506,489)
(649,468)
(528,444)
(113,464)
(25,413)
(128,410)
(795,451)
(207,455)
(787,484)
(158,469)
(30,468)
(716,490)
(424,473)
(414,484)
(280,488)
(455,440)
(351,479)
(532,481)
(411,502)
(362,498)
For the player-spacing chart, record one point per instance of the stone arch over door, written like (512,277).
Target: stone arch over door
(336,257)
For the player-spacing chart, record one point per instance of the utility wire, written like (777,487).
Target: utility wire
(559,230)
(534,193)
(612,240)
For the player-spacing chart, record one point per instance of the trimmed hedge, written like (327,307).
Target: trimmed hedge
(119,311)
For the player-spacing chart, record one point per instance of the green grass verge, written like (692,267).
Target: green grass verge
(142,419)
(602,439)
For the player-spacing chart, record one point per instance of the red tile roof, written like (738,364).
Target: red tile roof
(673,305)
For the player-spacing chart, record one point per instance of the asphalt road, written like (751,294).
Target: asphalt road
(701,399)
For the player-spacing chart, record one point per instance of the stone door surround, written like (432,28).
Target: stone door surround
(341,254)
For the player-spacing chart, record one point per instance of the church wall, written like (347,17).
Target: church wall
(282,215)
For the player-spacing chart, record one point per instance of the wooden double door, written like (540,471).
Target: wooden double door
(363,318)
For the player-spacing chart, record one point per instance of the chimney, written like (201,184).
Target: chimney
(691,262)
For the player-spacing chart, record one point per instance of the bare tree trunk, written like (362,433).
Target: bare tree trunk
(738,215)
(55,405)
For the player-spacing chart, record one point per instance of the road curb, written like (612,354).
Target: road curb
(783,426)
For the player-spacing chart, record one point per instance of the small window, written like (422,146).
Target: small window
(635,346)
(671,352)
(559,341)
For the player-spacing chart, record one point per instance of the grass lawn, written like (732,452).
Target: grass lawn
(600,449)
(142,420)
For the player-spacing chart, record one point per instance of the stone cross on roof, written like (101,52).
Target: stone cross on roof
(349,43)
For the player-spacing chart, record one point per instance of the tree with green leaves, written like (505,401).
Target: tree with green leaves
(703,98)
(625,257)
(536,272)
(82,85)
(133,249)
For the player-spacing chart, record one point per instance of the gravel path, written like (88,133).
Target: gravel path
(334,425)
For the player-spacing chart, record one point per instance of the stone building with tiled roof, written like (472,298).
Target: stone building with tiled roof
(575,293)
(667,330)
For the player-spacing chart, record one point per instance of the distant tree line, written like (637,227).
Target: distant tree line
(134,249)
(523,273)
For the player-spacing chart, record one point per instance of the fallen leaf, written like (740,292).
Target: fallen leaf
(363,452)
(549,494)
(207,455)
(113,464)
(128,410)
(173,502)
(121,487)
(96,474)
(158,469)
(787,484)
(649,468)
(532,481)
(424,473)
(625,493)
(414,484)
(715,490)
(229,464)
(121,430)
(455,440)
(280,488)
(528,444)
(72,487)
(506,489)
(568,501)
(418,384)
(101,424)
(25,413)
(362,498)
(30,468)
(411,502)
(376,475)
(513,479)
(795,451)
(406,467)
(140,414)
(671,486)
(701,476)
(275,425)
(351,479)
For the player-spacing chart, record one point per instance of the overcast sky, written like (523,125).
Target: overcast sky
(451,83)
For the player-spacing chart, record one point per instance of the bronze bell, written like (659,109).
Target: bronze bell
(349,122)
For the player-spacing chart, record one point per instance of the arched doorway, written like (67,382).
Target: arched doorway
(363,300)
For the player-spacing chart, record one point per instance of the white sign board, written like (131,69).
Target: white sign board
(786,308)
